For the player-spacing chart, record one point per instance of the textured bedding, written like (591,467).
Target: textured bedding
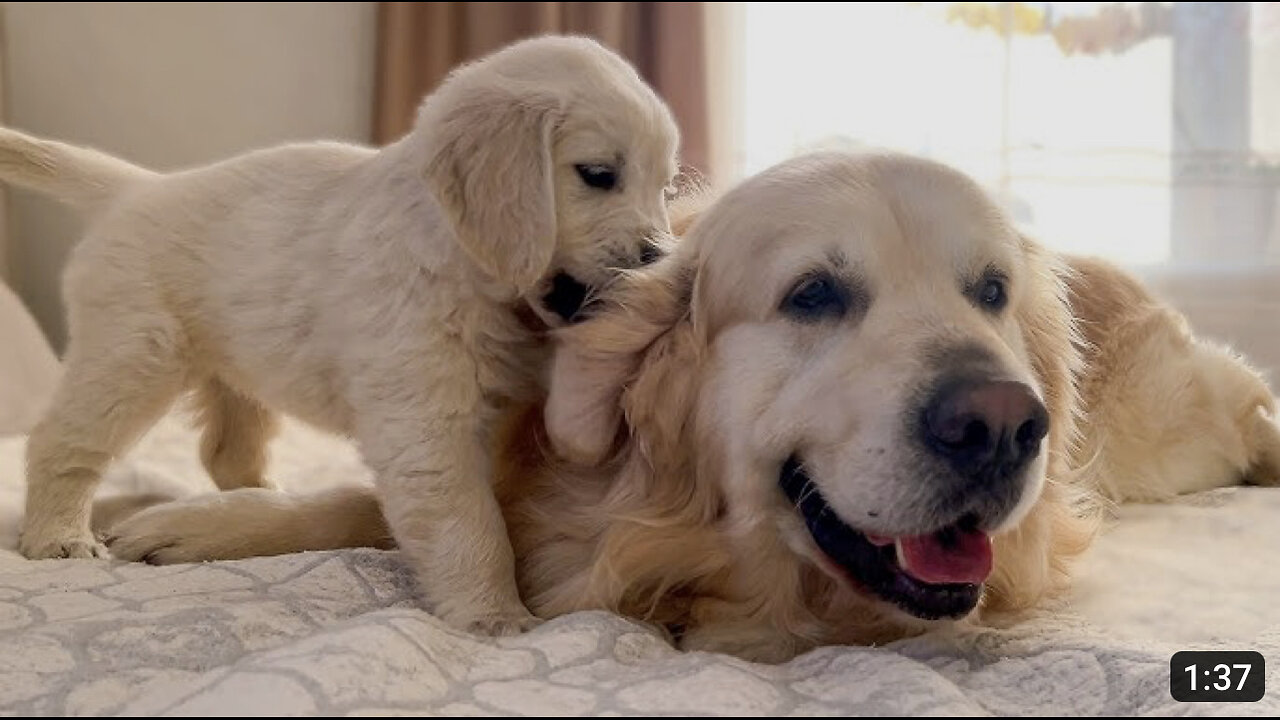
(338,632)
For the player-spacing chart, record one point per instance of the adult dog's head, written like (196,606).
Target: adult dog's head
(551,158)
(873,358)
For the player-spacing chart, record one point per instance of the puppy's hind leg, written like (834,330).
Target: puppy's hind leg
(118,381)
(237,429)
(1263,439)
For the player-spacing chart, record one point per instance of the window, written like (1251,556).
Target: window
(1145,132)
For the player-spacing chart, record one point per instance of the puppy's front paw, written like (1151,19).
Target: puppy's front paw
(41,546)
(499,624)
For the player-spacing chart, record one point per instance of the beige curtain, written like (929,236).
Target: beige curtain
(420,42)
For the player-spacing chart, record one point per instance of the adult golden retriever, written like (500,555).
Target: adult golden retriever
(855,401)
(379,294)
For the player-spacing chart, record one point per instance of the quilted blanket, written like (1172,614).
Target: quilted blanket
(340,633)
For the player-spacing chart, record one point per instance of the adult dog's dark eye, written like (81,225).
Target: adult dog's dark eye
(991,294)
(601,177)
(816,297)
(649,254)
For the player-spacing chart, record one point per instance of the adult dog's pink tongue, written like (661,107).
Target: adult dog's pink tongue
(954,556)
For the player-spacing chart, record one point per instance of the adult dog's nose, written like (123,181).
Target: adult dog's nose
(987,429)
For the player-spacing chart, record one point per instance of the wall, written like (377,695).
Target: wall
(170,85)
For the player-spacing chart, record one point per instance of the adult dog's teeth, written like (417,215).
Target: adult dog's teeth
(901,556)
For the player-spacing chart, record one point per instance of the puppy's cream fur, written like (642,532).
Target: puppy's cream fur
(678,402)
(370,293)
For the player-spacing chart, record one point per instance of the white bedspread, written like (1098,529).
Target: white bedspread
(338,632)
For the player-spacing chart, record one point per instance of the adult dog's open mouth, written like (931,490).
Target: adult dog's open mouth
(931,576)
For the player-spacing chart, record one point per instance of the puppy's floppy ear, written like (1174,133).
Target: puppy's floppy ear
(489,165)
(596,359)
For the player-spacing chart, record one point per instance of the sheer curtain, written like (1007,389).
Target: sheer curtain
(1148,133)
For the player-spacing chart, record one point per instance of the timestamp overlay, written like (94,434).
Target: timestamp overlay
(1217,676)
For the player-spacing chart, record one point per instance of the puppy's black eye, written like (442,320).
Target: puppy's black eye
(601,177)
(991,294)
(816,297)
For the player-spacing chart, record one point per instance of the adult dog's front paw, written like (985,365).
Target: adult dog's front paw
(498,624)
(167,535)
(41,546)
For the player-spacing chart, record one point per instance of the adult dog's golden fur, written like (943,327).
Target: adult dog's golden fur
(1167,413)
(672,409)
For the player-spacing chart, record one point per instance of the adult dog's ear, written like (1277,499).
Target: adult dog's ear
(1033,559)
(597,359)
(489,164)
(1052,341)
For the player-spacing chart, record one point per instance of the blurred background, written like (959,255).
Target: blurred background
(1148,133)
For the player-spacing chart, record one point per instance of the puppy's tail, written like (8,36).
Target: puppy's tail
(79,176)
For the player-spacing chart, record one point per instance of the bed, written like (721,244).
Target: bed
(340,633)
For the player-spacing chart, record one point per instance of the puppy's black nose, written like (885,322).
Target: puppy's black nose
(986,429)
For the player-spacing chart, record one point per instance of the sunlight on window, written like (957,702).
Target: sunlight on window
(1073,133)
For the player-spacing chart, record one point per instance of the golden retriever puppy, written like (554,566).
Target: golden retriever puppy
(381,294)
(844,409)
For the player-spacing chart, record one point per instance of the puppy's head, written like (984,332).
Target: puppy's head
(552,159)
(880,359)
